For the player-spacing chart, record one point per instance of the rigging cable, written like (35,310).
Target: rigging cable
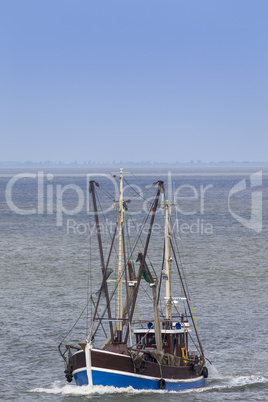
(184,275)
(131,254)
(89,287)
(133,189)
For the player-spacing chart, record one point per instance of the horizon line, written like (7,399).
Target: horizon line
(198,163)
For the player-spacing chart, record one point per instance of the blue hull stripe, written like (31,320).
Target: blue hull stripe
(124,381)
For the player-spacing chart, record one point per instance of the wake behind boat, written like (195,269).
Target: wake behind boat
(143,331)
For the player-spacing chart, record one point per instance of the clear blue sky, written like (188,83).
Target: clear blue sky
(111,80)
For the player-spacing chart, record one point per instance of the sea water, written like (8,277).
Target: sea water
(44,262)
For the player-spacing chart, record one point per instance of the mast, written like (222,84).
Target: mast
(167,261)
(119,313)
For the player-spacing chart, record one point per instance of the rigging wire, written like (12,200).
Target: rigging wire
(184,273)
(129,242)
(109,195)
(105,220)
(89,287)
(182,265)
(141,183)
(175,238)
(133,189)
(75,322)
(131,254)
(106,192)
(143,224)
(189,333)
(145,219)
(139,237)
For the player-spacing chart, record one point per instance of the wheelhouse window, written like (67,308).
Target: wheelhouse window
(146,340)
(150,339)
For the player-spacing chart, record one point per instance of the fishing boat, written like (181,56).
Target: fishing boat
(134,342)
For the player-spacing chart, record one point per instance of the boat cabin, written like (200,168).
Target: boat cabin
(174,340)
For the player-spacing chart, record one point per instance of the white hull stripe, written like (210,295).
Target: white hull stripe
(138,376)
(103,351)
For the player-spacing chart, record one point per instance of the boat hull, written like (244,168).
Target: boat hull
(120,380)
(118,371)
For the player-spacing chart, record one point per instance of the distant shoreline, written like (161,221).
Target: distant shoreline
(49,164)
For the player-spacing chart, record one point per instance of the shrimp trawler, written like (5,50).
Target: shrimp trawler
(146,344)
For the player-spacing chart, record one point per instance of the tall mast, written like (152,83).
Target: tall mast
(167,261)
(119,314)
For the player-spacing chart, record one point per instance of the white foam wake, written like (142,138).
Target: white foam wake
(233,382)
(241,381)
(215,383)
(89,390)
